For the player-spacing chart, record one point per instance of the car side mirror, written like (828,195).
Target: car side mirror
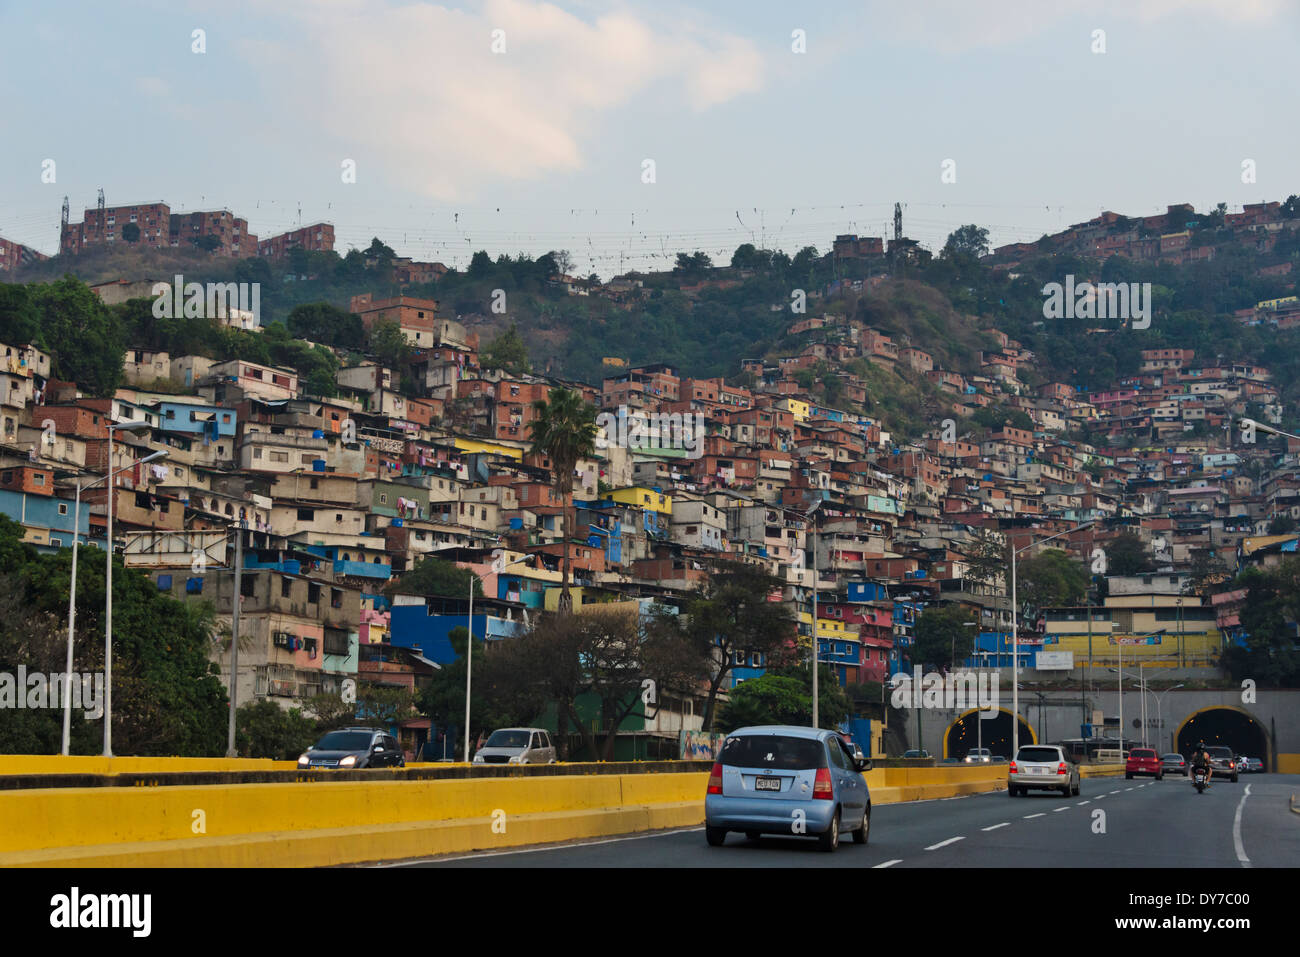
(378,748)
(862,764)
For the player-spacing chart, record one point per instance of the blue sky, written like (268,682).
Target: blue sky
(542,146)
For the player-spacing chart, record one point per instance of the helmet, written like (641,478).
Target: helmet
(1200,745)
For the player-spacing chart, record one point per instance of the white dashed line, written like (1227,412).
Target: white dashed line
(1060,809)
(1116,791)
(1236,832)
(1039,814)
(1082,803)
(996,826)
(897,860)
(1130,789)
(951,840)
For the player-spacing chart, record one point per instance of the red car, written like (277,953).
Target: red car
(1144,761)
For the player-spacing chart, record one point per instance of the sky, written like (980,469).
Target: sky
(626,132)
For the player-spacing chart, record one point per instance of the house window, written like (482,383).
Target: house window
(38,478)
(313,593)
(286,587)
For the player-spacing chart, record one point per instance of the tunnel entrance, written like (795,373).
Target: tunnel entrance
(1228,726)
(993,733)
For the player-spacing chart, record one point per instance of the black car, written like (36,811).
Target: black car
(350,748)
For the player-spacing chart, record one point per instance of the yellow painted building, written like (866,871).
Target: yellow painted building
(800,410)
(641,497)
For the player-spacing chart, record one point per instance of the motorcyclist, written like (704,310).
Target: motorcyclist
(1201,759)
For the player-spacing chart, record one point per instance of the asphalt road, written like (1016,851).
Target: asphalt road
(1113,823)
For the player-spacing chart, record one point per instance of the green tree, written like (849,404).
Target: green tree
(388,344)
(1268,654)
(435,577)
(731,617)
(327,324)
(265,730)
(784,696)
(85,337)
(167,698)
(564,431)
(1126,554)
(945,634)
(131,233)
(1050,579)
(507,352)
(968,240)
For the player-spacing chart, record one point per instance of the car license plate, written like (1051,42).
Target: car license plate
(767,784)
(1038,770)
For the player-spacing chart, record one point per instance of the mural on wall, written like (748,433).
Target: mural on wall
(700,745)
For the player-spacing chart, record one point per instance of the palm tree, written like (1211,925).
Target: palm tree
(564,431)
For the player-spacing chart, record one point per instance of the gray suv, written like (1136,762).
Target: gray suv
(354,748)
(517,746)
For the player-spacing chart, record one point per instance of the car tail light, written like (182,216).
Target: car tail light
(1060,768)
(715,779)
(1013,767)
(822,786)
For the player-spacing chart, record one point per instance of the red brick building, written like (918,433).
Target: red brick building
(318,237)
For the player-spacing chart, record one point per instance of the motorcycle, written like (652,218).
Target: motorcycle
(1198,778)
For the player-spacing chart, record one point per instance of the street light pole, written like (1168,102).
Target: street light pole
(72,597)
(234,637)
(133,426)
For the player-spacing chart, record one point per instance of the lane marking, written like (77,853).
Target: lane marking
(1116,791)
(898,860)
(545,847)
(1099,797)
(1236,832)
(1082,803)
(1060,809)
(996,826)
(951,840)
(1130,789)
(1039,814)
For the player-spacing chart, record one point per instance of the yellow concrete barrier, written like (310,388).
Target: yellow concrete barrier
(83,764)
(319,824)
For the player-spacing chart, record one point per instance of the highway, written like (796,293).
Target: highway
(1113,823)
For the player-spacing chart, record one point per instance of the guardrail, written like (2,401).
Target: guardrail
(382,815)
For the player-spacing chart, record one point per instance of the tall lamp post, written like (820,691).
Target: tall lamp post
(72,592)
(498,566)
(812,513)
(1160,719)
(1015,632)
(134,426)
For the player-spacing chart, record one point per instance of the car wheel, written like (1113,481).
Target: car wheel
(715,835)
(1127,776)
(1075,791)
(863,834)
(752,835)
(830,839)
(1011,790)
(401,762)
(1160,777)
(1233,779)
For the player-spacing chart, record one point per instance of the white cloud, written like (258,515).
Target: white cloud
(415,94)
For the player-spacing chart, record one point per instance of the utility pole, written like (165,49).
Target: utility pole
(234,638)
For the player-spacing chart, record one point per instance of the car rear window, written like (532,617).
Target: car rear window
(1142,753)
(1218,751)
(774,752)
(1038,754)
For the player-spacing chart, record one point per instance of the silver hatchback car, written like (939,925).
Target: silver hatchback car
(777,779)
(1044,767)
